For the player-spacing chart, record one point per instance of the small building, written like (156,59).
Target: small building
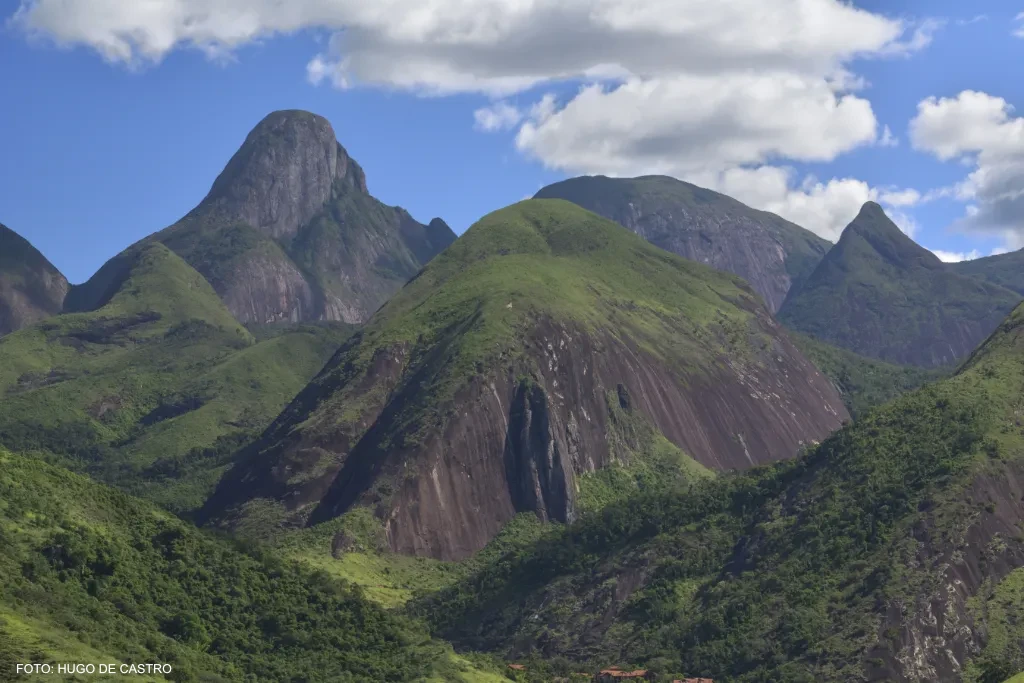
(615,674)
(517,667)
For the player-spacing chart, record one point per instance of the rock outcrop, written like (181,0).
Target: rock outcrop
(31,288)
(485,387)
(767,251)
(290,233)
(880,294)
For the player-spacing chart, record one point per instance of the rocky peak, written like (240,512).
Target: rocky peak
(892,244)
(288,168)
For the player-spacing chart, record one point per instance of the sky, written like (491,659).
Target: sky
(117,115)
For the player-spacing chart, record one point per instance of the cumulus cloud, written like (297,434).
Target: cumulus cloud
(826,207)
(691,88)
(981,131)
(454,45)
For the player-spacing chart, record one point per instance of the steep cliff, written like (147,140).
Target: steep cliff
(767,251)
(31,288)
(289,232)
(489,385)
(881,295)
(891,552)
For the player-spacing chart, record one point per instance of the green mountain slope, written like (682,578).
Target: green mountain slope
(544,348)
(881,295)
(864,382)
(156,389)
(1005,270)
(89,574)
(289,232)
(893,551)
(31,288)
(767,251)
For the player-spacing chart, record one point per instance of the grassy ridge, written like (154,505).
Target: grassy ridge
(155,390)
(91,574)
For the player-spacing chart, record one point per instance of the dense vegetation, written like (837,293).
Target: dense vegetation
(88,573)
(783,573)
(156,389)
(881,295)
(864,382)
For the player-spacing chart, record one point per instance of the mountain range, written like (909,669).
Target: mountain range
(627,422)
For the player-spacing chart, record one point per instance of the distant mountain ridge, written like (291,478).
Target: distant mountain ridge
(880,294)
(31,288)
(544,347)
(289,232)
(769,252)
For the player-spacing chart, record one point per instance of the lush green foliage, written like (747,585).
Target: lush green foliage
(88,570)
(863,382)
(782,573)
(156,389)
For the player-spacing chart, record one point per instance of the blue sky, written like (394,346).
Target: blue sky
(113,124)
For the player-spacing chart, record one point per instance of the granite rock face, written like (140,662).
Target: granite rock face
(476,394)
(767,251)
(31,288)
(290,233)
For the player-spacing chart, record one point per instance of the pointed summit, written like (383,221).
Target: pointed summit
(880,294)
(288,231)
(289,166)
(31,288)
(886,239)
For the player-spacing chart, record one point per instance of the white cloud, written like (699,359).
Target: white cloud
(686,123)
(692,88)
(981,131)
(956,256)
(826,208)
(498,116)
(1019,30)
(494,45)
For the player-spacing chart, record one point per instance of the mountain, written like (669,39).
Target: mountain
(31,288)
(1005,270)
(546,361)
(155,390)
(289,232)
(769,252)
(892,551)
(881,295)
(91,575)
